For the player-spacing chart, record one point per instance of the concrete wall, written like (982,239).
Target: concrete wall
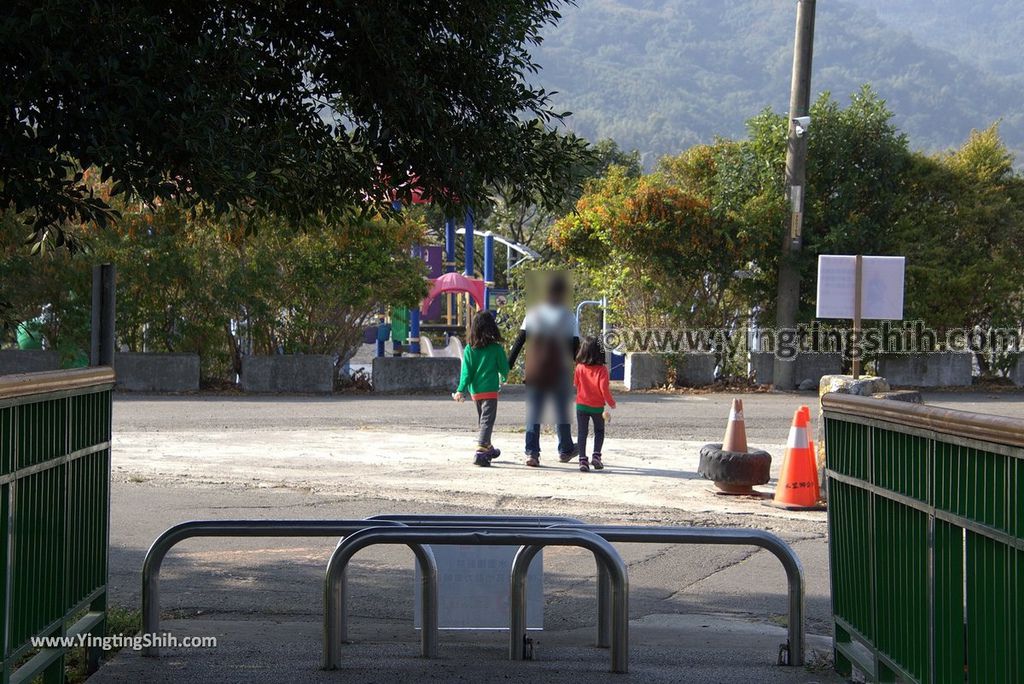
(808,366)
(415,374)
(1017,372)
(13,361)
(696,370)
(157,372)
(644,371)
(936,369)
(288,373)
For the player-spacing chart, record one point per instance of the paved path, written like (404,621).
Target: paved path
(353,456)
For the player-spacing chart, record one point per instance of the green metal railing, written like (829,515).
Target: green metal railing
(926,530)
(54,515)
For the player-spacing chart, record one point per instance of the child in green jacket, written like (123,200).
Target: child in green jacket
(484,369)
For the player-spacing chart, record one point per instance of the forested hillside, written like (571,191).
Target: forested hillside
(661,75)
(985,32)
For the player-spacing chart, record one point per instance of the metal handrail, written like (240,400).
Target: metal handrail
(964,424)
(335,616)
(290,528)
(626,534)
(733,537)
(45,382)
(227,528)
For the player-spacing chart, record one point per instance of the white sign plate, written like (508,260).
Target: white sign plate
(881,285)
(473,584)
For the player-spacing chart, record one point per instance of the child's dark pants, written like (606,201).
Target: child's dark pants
(583,427)
(487,412)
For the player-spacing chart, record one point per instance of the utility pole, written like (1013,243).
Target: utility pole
(788,302)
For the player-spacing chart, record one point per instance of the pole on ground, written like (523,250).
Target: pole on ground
(469,223)
(858,287)
(104,302)
(414,314)
(488,268)
(788,302)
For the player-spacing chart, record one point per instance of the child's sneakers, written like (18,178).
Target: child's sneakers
(483,457)
(493,453)
(595,460)
(584,464)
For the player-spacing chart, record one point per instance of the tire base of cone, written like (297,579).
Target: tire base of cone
(732,465)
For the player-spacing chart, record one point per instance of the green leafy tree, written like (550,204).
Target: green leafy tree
(294,110)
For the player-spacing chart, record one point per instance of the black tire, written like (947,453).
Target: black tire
(735,468)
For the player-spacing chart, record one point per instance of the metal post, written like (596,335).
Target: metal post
(515,536)
(381,337)
(488,268)
(732,537)
(104,303)
(604,605)
(858,286)
(336,602)
(788,302)
(469,224)
(449,244)
(619,613)
(228,528)
(414,315)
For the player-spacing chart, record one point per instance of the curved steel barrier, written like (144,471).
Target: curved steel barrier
(335,618)
(498,524)
(734,537)
(228,528)
(604,587)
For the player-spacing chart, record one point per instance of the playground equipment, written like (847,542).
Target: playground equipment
(452,351)
(793,649)
(481,291)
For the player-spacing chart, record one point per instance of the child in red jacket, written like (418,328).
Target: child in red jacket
(592,394)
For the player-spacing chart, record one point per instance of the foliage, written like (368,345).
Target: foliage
(658,249)
(963,233)
(191,281)
(696,243)
(266,108)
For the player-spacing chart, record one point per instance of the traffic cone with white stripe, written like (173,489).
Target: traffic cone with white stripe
(798,482)
(735,432)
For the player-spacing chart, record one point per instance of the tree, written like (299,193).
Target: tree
(962,230)
(528,221)
(267,107)
(656,248)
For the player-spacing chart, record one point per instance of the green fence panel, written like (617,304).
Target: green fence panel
(54,514)
(926,527)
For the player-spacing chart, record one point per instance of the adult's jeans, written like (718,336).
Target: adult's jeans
(536,398)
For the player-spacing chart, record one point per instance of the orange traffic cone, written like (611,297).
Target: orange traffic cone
(798,482)
(736,431)
(810,440)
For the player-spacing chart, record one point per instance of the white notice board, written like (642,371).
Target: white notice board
(881,287)
(473,584)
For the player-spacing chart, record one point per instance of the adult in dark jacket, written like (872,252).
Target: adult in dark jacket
(550,334)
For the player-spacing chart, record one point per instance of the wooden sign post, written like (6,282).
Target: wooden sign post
(859,287)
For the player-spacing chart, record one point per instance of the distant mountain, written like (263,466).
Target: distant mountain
(983,32)
(662,75)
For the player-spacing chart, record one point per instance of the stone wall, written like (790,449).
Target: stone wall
(810,367)
(415,374)
(1017,372)
(288,373)
(14,361)
(138,372)
(644,371)
(935,369)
